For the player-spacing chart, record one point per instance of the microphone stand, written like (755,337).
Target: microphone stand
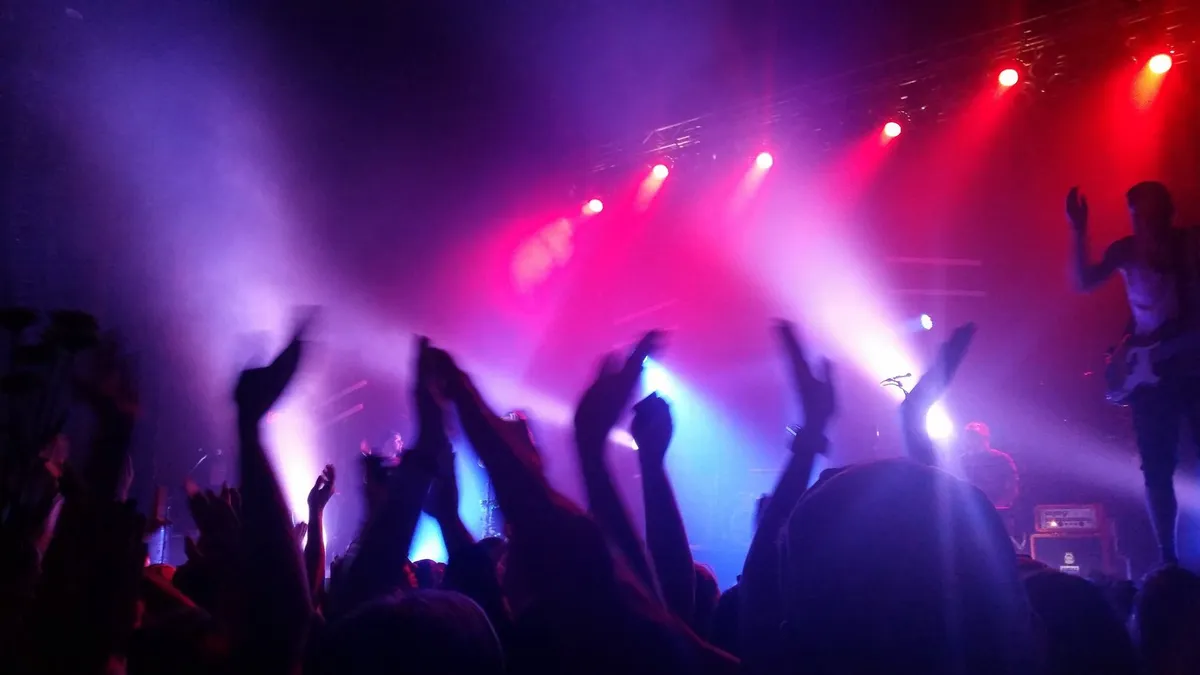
(897,382)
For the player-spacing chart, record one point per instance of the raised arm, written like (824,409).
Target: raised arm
(602,404)
(314,548)
(277,599)
(762,613)
(558,557)
(666,537)
(442,504)
(1086,274)
(380,564)
(471,569)
(507,453)
(556,550)
(928,390)
(1089,276)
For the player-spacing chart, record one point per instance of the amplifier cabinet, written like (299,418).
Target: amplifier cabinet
(1069,518)
(1080,554)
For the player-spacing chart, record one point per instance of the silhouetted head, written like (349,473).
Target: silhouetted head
(1167,620)
(976,436)
(424,631)
(898,567)
(393,446)
(1151,209)
(1083,633)
(427,573)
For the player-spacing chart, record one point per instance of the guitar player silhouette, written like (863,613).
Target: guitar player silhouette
(1156,368)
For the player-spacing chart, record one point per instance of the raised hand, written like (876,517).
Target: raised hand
(506,449)
(427,392)
(300,531)
(216,518)
(666,537)
(608,396)
(1077,211)
(652,428)
(486,430)
(314,546)
(259,388)
(933,382)
(599,408)
(322,489)
(817,396)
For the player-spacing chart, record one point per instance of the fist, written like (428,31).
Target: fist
(1077,210)
(652,427)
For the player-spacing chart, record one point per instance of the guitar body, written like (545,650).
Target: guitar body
(1134,364)
(1130,367)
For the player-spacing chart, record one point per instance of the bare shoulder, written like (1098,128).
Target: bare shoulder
(1120,252)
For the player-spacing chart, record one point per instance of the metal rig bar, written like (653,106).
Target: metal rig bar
(1054,49)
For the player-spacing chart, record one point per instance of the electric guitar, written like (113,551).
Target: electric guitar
(1132,364)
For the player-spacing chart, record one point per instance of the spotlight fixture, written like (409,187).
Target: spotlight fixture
(1159,63)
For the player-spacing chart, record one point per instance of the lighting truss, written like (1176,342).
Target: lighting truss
(1053,52)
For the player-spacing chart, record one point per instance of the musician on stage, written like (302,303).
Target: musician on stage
(1158,263)
(995,474)
(990,470)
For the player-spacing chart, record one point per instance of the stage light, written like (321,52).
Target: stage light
(938,424)
(655,378)
(926,322)
(660,171)
(1159,63)
(290,435)
(891,129)
(1009,77)
(764,160)
(593,207)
